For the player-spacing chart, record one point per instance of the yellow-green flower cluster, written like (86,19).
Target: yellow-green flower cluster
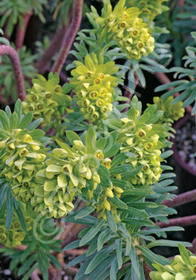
(126,28)
(94,84)
(171,112)
(69,171)
(149,8)
(46,99)
(106,204)
(15,235)
(21,158)
(142,140)
(178,270)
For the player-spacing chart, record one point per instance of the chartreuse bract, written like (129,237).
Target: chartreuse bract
(181,267)
(93,82)
(149,9)
(126,28)
(47,100)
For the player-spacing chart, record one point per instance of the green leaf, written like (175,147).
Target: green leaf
(169,243)
(136,222)
(170,85)
(102,238)
(27,264)
(104,176)
(144,191)
(99,258)
(4,120)
(131,173)
(34,124)
(91,140)
(14,120)
(54,261)
(91,233)
(3,193)
(66,147)
(118,246)
(72,245)
(120,169)
(113,151)
(26,120)
(85,211)
(37,134)
(21,218)
(118,202)
(8,111)
(134,262)
(185,254)
(149,256)
(72,136)
(77,260)
(111,221)
(28,274)
(114,269)
(101,269)
(167,154)
(18,108)
(9,208)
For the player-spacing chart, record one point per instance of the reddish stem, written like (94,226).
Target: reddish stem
(165,80)
(69,36)
(54,46)
(15,62)
(147,271)
(183,221)
(181,3)
(181,199)
(21,31)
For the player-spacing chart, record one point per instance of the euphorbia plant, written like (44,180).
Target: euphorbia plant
(83,153)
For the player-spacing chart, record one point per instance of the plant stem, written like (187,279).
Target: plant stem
(54,46)
(147,270)
(34,275)
(20,32)
(69,36)
(165,80)
(15,62)
(181,199)
(183,221)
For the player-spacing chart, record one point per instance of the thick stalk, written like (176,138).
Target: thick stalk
(181,199)
(15,62)
(20,32)
(69,36)
(147,271)
(54,46)
(183,221)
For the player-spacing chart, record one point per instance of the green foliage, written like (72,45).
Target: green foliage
(185,85)
(107,152)
(14,11)
(15,235)
(61,10)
